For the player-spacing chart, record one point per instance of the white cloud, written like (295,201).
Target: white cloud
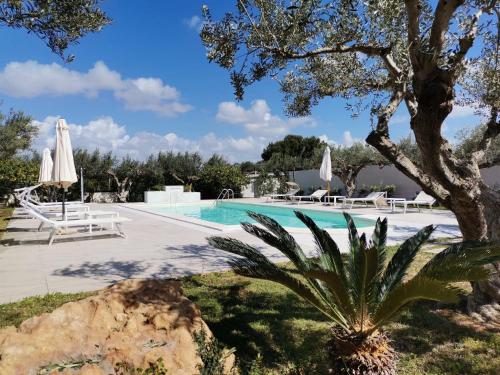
(258,119)
(195,22)
(400,120)
(104,133)
(348,140)
(151,94)
(462,111)
(30,79)
(327,140)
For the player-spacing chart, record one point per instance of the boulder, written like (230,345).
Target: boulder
(128,325)
(104,197)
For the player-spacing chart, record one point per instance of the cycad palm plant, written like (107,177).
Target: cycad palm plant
(362,294)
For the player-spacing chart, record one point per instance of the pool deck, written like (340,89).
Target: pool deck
(155,246)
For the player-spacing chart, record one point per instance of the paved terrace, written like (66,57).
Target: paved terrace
(155,247)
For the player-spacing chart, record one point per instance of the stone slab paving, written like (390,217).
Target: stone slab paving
(155,247)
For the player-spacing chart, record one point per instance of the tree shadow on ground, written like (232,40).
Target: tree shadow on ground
(281,327)
(58,239)
(110,271)
(202,258)
(439,341)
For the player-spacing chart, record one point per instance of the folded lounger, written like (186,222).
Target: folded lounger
(422,199)
(293,188)
(316,196)
(370,198)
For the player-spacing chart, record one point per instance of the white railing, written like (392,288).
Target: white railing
(226,194)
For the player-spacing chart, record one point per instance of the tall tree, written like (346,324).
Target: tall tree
(60,23)
(124,175)
(384,54)
(347,162)
(293,145)
(16,133)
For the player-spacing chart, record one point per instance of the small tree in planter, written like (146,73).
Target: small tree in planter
(362,295)
(347,162)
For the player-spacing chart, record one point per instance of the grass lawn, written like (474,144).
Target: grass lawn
(256,316)
(5,214)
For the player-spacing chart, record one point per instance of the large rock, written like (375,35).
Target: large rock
(104,197)
(134,322)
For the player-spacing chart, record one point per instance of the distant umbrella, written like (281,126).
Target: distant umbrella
(45,173)
(63,172)
(325,171)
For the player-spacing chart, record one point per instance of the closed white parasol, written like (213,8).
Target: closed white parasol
(63,171)
(325,171)
(45,173)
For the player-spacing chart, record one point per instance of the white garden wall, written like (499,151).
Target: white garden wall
(388,175)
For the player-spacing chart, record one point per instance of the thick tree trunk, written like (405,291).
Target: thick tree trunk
(350,186)
(456,184)
(480,220)
(348,178)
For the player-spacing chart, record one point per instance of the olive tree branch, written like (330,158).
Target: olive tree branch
(413,15)
(466,41)
(440,25)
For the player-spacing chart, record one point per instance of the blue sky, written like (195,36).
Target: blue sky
(143,85)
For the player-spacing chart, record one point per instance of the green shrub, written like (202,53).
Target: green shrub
(154,368)
(215,177)
(16,173)
(265,183)
(212,353)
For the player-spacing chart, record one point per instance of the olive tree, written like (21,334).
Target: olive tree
(16,133)
(59,23)
(383,55)
(469,140)
(347,162)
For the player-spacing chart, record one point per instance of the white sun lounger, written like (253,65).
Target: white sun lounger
(422,199)
(370,198)
(316,196)
(293,189)
(71,215)
(54,207)
(25,194)
(52,204)
(51,212)
(63,224)
(22,193)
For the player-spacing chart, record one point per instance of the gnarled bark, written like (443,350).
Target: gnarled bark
(123,187)
(456,184)
(348,177)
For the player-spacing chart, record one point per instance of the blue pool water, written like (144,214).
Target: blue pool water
(230,213)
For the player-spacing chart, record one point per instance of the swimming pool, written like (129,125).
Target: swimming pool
(232,213)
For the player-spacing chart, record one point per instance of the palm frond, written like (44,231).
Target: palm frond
(287,246)
(419,287)
(357,265)
(461,261)
(334,283)
(378,242)
(237,247)
(282,240)
(254,264)
(401,260)
(330,256)
(376,255)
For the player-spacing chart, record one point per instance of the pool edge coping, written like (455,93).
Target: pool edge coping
(228,228)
